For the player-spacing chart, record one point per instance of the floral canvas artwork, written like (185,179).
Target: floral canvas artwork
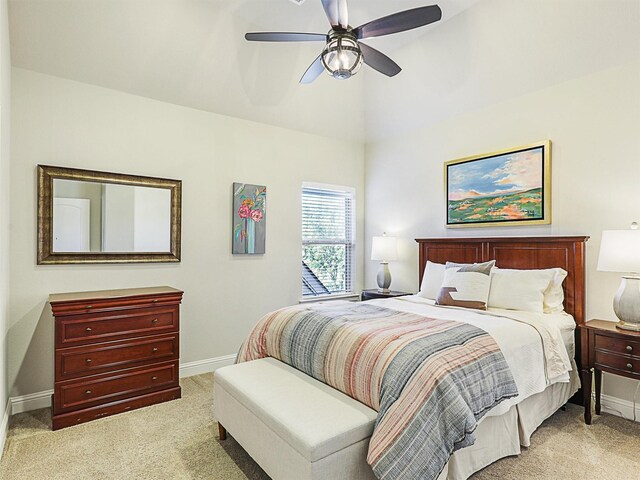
(503,188)
(249,218)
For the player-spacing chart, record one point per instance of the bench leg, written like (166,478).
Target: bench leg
(222,432)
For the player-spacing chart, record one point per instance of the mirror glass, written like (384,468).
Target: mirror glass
(106,217)
(86,216)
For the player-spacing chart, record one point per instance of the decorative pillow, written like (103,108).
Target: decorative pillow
(554,295)
(432,280)
(520,289)
(466,285)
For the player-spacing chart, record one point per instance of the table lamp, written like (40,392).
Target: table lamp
(620,252)
(384,249)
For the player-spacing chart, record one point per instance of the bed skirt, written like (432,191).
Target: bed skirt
(504,435)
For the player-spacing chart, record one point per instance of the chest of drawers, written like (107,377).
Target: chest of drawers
(115,350)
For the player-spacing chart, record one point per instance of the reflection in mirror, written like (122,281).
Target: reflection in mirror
(87,216)
(105,217)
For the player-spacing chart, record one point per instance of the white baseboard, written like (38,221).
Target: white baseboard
(205,366)
(4,427)
(619,407)
(34,401)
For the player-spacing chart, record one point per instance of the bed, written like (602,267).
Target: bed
(518,394)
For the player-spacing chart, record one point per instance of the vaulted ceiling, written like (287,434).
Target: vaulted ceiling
(193,53)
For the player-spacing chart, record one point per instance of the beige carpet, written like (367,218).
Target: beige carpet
(178,440)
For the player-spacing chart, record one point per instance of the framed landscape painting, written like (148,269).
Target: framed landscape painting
(508,187)
(249,218)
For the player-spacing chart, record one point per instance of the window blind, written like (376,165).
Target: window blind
(327,239)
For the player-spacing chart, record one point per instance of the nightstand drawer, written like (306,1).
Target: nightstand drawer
(612,344)
(628,365)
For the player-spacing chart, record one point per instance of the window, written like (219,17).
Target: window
(327,240)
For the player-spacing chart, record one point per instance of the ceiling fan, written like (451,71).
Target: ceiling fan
(344,52)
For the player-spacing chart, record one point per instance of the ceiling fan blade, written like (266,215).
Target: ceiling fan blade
(313,72)
(399,22)
(337,12)
(285,37)
(379,61)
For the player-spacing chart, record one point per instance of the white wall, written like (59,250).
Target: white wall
(79,125)
(5,101)
(594,124)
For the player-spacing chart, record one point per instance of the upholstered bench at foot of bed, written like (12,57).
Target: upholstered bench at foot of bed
(293,426)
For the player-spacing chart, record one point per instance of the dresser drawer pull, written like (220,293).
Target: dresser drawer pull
(154,349)
(88,307)
(155,300)
(629,348)
(87,361)
(88,329)
(154,321)
(87,392)
(154,378)
(629,366)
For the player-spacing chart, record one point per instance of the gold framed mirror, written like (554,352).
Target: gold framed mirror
(86,216)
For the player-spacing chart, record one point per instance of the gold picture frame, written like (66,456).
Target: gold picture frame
(510,187)
(46,254)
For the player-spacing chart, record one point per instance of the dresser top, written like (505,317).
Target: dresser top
(106,294)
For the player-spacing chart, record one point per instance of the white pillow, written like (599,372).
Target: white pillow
(520,289)
(466,285)
(432,280)
(554,295)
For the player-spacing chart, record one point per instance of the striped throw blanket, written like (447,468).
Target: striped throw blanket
(430,380)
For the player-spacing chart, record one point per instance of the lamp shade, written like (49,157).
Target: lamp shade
(384,249)
(620,251)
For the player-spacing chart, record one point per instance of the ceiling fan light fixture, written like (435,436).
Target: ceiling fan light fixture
(342,57)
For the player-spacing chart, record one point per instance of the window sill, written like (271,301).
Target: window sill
(328,298)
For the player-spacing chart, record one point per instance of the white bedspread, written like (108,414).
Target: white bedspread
(533,344)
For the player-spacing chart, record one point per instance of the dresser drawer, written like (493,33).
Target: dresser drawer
(75,362)
(622,363)
(102,327)
(111,387)
(92,413)
(612,344)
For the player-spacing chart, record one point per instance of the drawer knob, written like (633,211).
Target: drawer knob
(88,307)
(629,348)
(87,392)
(154,378)
(155,300)
(154,321)
(88,329)
(87,361)
(154,349)
(629,366)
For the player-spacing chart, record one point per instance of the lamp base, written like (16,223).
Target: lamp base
(626,304)
(384,278)
(622,325)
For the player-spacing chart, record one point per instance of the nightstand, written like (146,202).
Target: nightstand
(374,293)
(606,348)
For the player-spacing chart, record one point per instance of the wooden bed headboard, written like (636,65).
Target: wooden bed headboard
(519,253)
